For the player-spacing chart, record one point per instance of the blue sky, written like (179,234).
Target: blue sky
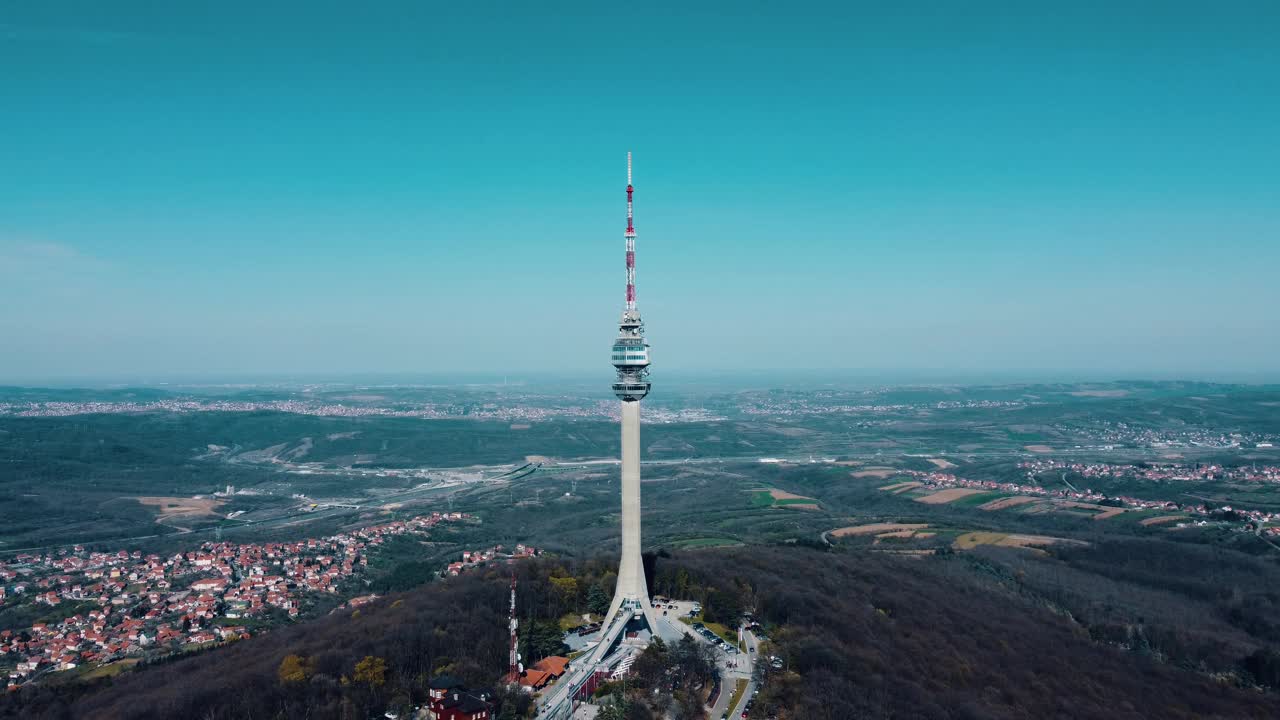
(321,189)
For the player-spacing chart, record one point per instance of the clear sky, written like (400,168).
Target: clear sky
(327,187)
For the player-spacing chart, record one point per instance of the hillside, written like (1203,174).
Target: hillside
(864,635)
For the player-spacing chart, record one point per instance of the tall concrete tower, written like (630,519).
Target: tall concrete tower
(631,360)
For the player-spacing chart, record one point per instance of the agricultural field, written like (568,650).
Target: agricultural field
(782,499)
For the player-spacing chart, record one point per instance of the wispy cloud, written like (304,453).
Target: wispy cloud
(42,259)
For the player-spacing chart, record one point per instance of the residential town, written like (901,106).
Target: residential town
(515,409)
(1114,433)
(1162,472)
(127,604)
(1256,518)
(836,404)
(479,558)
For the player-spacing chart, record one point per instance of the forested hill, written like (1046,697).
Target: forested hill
(873,636)
(865,636)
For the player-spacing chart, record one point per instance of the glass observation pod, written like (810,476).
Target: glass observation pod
(631,391)
(625,356)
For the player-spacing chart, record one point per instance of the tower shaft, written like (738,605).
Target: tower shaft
(632,592)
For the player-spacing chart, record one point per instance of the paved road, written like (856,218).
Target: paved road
(808,458)
(751,656)
(733,667)
(558,702)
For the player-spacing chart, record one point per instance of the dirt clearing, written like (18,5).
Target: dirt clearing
(942,464)
(875,472)
(1103,511)
(949,495)
(1022,541)
(969,541)
(877,528)
(179,508)
(1161,520)
(784,495)
(1038,448)
(1008,502)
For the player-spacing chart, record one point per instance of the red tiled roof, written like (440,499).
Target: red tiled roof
(535,678)
(554,665)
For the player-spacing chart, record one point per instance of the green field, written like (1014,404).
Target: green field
(765,499)
(704,542)
(794,501)
(979,499)
(721,631)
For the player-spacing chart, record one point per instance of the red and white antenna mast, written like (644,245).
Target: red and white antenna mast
(513,660)
(631,246)
(630,351)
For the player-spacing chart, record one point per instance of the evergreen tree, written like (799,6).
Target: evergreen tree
(542,639)
(615,709)
(597,600)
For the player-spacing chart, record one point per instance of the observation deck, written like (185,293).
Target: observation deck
(631,359)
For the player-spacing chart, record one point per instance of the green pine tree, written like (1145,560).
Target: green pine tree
(597,600)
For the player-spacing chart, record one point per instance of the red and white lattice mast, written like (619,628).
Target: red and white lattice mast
(630,351)
(513,659)
(631,245)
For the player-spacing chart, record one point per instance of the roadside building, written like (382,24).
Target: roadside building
(449,699)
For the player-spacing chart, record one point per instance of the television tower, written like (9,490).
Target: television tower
(631,360)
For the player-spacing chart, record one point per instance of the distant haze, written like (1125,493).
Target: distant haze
(979,190)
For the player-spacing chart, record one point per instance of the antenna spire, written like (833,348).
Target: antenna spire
(630,351)
(631,245)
